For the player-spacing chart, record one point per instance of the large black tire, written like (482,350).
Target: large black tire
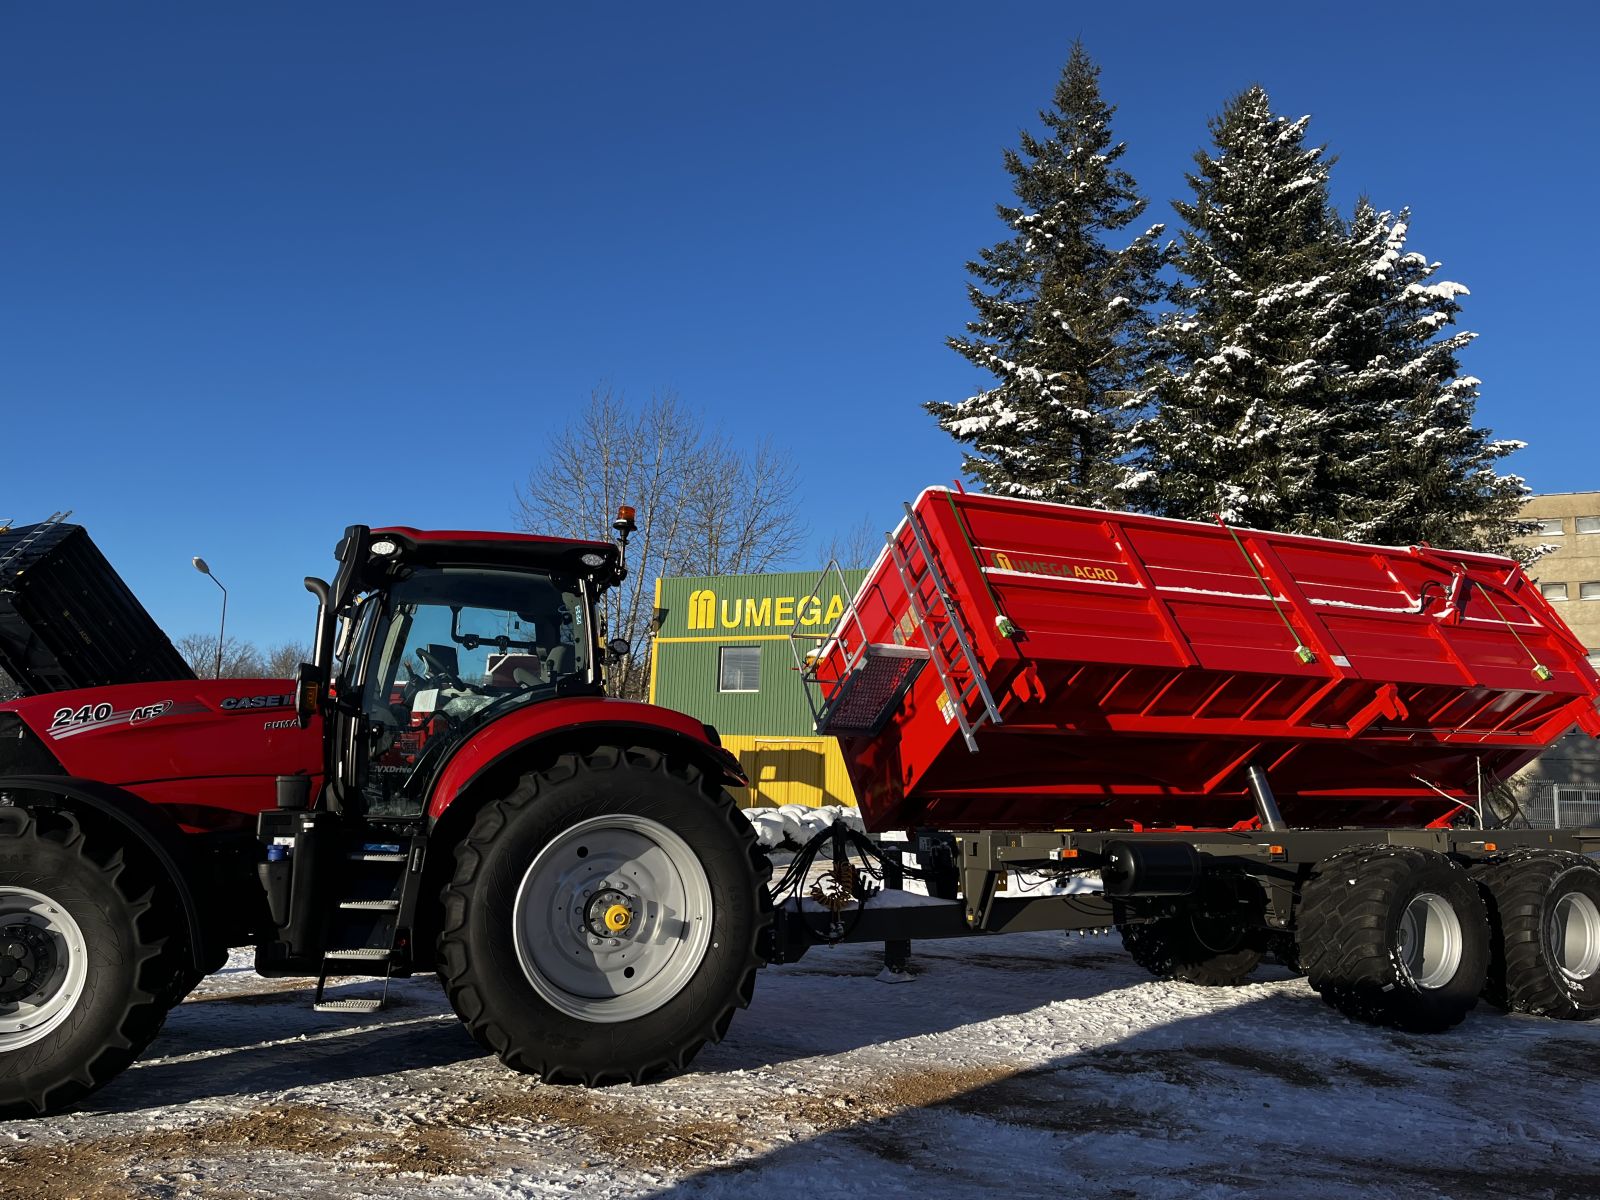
(1194,948)
(1544,914)
(495,994)
(1394,936)
(130,963)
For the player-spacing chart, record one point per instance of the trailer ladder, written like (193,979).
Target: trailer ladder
(936,617)
(29,538)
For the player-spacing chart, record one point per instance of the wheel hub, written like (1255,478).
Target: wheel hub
(1574,936)
(26,962)
(44,964)
(609,914)
(612,918)
(1429,941)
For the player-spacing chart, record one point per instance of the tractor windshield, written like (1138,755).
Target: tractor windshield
(448,648)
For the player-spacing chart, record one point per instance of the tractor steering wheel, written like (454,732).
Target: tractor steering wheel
(437,671)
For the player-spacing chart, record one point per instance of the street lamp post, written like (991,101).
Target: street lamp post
(222,629)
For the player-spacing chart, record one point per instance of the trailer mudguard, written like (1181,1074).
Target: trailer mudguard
(590,718)
(143,822)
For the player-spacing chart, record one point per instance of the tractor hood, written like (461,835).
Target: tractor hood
(210,750)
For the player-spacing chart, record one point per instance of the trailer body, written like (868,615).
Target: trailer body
(1010,664)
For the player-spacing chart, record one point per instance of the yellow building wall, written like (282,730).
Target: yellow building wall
(790,770)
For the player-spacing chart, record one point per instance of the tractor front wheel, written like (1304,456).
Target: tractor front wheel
(605,918)
(87,965)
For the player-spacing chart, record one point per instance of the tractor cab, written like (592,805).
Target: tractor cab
(426,637)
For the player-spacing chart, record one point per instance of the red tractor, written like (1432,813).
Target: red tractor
(446,788)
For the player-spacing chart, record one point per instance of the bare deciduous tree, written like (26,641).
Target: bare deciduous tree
(240,660)
(705,506)
(284,659)
(856,548)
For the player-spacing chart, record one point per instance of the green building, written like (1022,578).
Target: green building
(722,654)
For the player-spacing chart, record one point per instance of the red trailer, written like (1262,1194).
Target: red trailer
(1254,742)
(1112,671)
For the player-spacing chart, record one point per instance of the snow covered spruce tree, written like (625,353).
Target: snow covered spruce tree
(1428,469)
(1241,417)
(1307,381)
(1061,315)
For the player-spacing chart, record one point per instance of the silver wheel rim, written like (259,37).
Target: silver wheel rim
(612,918)
(1430,940)
(40,939)
(1574,934)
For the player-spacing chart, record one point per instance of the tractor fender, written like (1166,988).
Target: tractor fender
(548,728)
(143,823)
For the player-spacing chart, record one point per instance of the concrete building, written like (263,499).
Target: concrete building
(1569,575)
(722,654)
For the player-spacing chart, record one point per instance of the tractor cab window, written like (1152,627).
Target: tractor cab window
(449,649)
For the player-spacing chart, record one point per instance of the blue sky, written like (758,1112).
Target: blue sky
(266,270)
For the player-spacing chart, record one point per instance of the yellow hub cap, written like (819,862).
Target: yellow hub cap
(618,917)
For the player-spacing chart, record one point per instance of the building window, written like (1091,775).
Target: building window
(1554,591)
(1589,524)
(739,669)
(1589,591)
(1551,527)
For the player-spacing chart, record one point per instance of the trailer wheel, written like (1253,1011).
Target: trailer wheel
(1544,912)
(604,919)
(1394,936)
(1193,947)
(86,965)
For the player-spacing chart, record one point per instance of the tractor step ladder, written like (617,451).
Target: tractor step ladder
(936,616)
(374,923)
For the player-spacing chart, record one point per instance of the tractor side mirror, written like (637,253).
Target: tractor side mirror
(309,685)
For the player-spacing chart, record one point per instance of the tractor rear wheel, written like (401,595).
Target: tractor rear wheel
(87,965)
(605,918)
(1394,936)
(1544,910)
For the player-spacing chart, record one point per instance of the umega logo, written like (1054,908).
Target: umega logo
(1060,568)
(706,611)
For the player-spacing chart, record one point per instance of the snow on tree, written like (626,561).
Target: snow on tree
(1307,380)
(1241,421)
(1428,471)
(1061,316)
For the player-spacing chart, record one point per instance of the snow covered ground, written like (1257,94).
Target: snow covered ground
(1023,1065)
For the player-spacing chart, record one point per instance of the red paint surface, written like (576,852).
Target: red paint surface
(214,768)
(1152,668)
(429,536)
(524,725)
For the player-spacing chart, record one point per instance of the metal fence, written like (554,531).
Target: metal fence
(1548,805)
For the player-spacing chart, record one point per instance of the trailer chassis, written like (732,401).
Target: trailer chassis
(967,876)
